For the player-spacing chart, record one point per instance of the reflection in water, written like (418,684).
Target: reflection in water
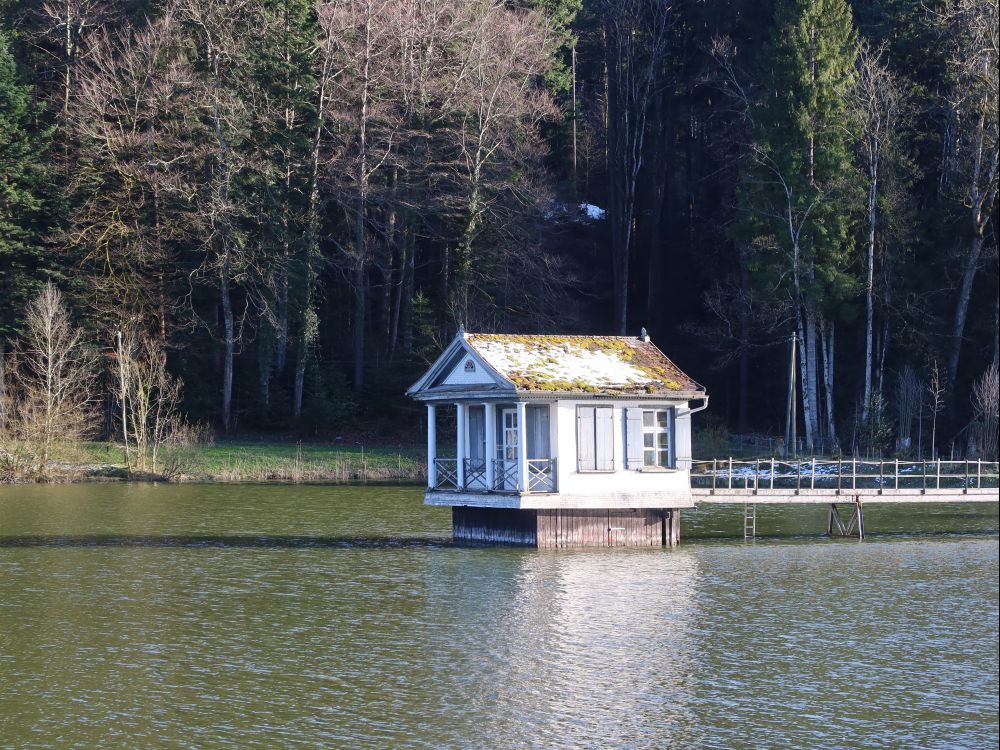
(604,636)
(261,617)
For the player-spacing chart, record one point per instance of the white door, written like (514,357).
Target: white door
(508,450)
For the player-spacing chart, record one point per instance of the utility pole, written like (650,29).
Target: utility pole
(791,449)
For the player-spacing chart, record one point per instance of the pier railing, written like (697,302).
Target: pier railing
(845,475)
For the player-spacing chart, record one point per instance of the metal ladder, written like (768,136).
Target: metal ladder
(749,520)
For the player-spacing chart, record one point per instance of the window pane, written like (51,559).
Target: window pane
(649,458)
(665,458)
(664,440)
(661,419)
(647,440)
(647,419)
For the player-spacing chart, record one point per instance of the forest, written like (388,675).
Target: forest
(268,216)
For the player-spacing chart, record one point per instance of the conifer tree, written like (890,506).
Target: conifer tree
(24,213)
(800,194)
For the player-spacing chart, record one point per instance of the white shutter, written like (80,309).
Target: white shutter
(585,439)
(604,438)
(681,438)
(633,439)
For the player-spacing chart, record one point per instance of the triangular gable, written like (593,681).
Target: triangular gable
(467,369)
(460,365)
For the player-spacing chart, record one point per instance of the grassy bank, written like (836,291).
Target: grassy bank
(250,462)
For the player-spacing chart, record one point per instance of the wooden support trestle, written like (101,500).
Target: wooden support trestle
(856,523)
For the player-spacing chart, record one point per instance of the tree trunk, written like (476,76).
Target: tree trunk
(461,274)
(660,168)
(883,348)
(300,379)
(221,225)
(619,219)
(264,355)
(743,415)
(230,344)
(870,294)
(360,303)
(281,330)
(397,304)
(827,331)
(962,309)
(810,389)
(406,314)
(807,402)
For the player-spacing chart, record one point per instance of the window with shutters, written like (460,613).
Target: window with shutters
(657,438)
(595,438)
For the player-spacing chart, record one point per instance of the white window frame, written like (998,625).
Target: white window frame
(655,430)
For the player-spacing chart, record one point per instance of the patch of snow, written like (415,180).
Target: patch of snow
(592,212)
(554,363)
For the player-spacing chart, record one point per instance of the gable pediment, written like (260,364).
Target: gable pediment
(461,368)
(465,370)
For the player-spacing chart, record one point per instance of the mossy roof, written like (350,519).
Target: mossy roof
(613,365)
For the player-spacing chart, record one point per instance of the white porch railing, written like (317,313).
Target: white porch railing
(504,475)
(541,475)
(475,474)
(446,474)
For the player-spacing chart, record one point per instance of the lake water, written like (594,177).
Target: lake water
(252,616)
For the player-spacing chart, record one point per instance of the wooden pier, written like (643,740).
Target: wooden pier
(852,482)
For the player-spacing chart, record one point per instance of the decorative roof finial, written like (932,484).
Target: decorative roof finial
(461,329)
(643,336)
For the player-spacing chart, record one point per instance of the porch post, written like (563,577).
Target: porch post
(460,444)
(431,446)
(522,447)
(491,444)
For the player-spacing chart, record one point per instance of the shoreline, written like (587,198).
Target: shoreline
(238,461)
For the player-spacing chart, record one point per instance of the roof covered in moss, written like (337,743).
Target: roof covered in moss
(612,365)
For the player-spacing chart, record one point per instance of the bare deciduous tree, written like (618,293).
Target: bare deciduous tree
(148,396)
(986,402)
(636,35)
(936,388)
(63,31)
(363,36)
(52,380)
(129,113)
(500,106)
(877,103)
(970,174)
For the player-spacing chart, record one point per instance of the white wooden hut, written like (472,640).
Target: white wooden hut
(560,440)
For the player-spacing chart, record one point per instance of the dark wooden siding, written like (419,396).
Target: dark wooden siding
(607,528)
(639,527)
(494,526)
